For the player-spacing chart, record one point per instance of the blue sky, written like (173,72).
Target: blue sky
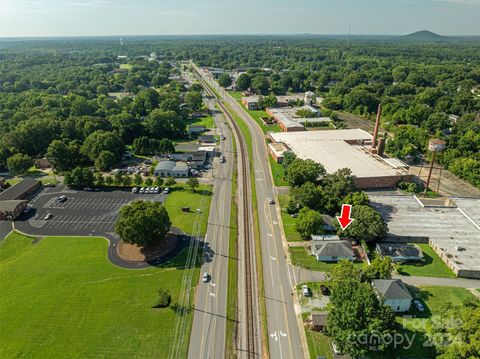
(137,17)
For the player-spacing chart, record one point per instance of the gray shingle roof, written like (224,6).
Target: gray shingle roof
(10,205)
(399,250)
(319,318)
(333,249)
(391,288)
(18,189)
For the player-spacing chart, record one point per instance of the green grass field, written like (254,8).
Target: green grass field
(432,266)
(318,343)
(289,223)
(183,197)
(278,172)
(206,121)
(301,258)
(61,298)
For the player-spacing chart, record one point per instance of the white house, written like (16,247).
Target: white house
(394,292)
(400,252)
(332,250)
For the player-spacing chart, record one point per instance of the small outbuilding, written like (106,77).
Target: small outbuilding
(394,292)
(319,320)
(400,252)
(206,138)
(196,129)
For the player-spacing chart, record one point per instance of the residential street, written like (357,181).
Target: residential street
(207,338)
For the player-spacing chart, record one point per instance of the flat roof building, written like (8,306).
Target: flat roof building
(171,169)
(336,149)
(250,102)
(277,149)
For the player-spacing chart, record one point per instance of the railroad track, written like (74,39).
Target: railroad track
(249,242)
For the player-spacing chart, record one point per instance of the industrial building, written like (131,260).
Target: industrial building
(351,148)
(288,120)
(250,102)
(172,169)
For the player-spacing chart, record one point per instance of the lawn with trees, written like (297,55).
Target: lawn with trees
(72,298)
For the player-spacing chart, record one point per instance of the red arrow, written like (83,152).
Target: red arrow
(344,219)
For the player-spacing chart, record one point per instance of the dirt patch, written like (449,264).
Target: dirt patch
(134,253)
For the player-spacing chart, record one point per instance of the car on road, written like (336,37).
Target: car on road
(62,198)
(222,137)
(48,216)
(222,159)
(305,290)
(142,190)
(134,190)
(166,190)
(419,305)
(271,201)
(205,277)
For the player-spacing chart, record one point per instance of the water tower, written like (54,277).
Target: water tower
(435,145)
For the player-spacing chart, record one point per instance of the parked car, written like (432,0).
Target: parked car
(324,289)
(335,349)
(271,201)
(142,190)
(48,216)
(166,190)
(62,198)
(134,190)
(222,137)
(205,277)
(419,306)
(157,190)
(28,208)
(89,189)
(294,215)
(305,290)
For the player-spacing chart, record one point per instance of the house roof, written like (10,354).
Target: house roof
(165,166)
(201,127)
(333,249)
(319,318)
(399,250)
(10,205)
(18,189)
(391,288)
(206,138)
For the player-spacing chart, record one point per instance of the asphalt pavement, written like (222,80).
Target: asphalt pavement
(207,339)
(283,317)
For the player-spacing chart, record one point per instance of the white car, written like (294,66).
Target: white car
(205,277)
(156,190)
(305,290)
(48,216)
(166,190)
(271,201)
(335,349)
(419,306)
(134,190)
(142,190)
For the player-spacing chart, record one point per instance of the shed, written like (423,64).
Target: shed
(319,320)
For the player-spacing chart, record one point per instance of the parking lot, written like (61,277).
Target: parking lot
(81,213)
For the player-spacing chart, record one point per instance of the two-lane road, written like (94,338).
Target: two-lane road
(209,321)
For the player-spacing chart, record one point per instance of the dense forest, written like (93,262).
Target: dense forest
(57,90)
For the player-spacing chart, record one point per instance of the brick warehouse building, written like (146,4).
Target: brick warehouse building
(13,200)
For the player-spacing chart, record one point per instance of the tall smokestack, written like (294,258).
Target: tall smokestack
(377,125)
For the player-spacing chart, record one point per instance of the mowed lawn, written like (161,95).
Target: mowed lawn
(432,265)
(184,197)
(289,223)
(206,121)
(62,298)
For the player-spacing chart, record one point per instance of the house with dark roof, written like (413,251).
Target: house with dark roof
(206,138)
(11,209)
(394,292)
(196,129)
(332,250)
(318,320)
(400,252)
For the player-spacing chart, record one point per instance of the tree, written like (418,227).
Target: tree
(148,182)
(268,101)
(170,181)
(146,101)
(243,82)
(302,171)
(260,85)
(99,179)
(61,155)
(138,179)
(379,269)
(356,199)
(193,183)
(19,163)
(368,225)
(337,185)
(158,181)
(454,330)
(166,146)
(105,161)
(108,180)
(143,223)
(225,80)
(100,141)
(308,195)
(288,157)
(79,177)
(194,100)
(118,178)
(126,181)
(164,298)
(164,124)
(309,222)
(357,317)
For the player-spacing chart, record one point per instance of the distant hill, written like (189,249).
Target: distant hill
(424,35)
